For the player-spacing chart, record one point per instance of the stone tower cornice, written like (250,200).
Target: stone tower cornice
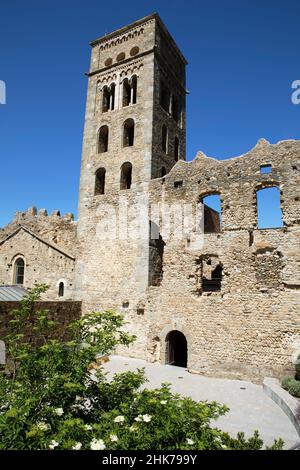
(120,35)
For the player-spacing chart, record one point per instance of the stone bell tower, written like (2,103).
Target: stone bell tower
(134,132)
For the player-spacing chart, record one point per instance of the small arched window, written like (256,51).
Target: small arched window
(126,176)
(19,271)
(61,289)
(176,149)
(133,89)
(105,100)
(128,133)
(103,139)
(100,181)
(112,90)
(126,92)
(164,138)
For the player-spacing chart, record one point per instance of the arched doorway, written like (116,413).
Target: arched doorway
(176,349)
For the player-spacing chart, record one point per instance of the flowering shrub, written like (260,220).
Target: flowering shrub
(50,398)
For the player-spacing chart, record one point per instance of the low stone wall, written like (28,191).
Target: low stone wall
(288,404)
(62,312)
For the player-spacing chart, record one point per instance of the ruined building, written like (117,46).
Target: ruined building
(227,306)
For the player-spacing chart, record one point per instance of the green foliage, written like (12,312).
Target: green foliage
(292,386)
(297,375)
(51,398)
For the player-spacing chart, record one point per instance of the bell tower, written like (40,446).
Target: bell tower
(134,132)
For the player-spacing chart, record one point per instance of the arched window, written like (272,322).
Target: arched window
(61,289)
(126,176)
(133,89)
(112,90)
(126,92)
(128,133)
(103,139)
(100,181)
(269,214)
(163,172)
(19,271)
(164,138)
(176,149)
(105,100)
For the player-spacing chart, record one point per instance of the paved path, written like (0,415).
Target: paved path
(250,408)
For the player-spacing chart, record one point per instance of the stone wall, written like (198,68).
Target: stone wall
(47,244)
(61,312)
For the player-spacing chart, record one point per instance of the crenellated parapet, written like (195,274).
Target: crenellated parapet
(54,228)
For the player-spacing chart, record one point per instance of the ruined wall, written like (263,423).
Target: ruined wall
(47,244)
(251,328)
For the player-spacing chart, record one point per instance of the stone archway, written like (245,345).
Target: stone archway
(176,349)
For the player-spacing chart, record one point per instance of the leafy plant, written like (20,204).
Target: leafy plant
(54,396)
(292,386)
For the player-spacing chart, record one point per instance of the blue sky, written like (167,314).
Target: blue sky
(243,56)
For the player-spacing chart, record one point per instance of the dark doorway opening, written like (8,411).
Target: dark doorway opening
(176,349)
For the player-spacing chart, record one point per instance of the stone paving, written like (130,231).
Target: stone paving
(250,408)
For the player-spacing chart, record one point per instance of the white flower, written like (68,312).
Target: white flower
(97,444)
(59,411)
(113,438)
(88,427)
(147,418)
(119,419)
(42,426)
(133,428)
(138,418)
(53,444)
(77,446)
(223,446)
(163,402)
(190,442)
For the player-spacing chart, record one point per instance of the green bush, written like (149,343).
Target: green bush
(292,386)
(51,398)
(297,374)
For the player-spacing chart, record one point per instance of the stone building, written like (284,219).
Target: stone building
(201,288)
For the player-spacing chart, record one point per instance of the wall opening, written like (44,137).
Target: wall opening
(105,100)
(103,139)
(176,349)
(134,89)
(128,133)
(212,213)
(213,282)
(19,271)
(126,176)
(269,214)
(100,181)
(61,289)
(126,92)
(156,256)
(265,169)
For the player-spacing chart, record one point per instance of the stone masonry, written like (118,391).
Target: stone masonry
(228,306)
